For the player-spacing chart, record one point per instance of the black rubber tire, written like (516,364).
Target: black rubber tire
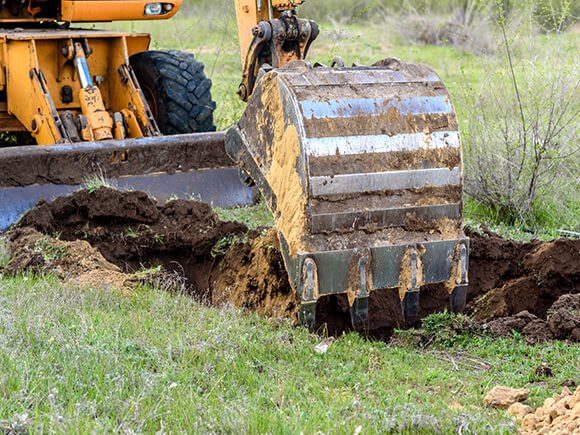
(177,90)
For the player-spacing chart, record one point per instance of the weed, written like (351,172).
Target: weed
(159,238)
(131,233)
(97,181)
(253,217)
(223,244)
(49,250)
(441,330)
(4,253)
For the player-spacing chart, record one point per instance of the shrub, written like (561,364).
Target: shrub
(521,135)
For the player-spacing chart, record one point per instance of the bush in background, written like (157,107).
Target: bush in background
(522,152)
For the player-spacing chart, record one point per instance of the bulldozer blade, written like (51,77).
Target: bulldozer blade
(362,170)
(189,166)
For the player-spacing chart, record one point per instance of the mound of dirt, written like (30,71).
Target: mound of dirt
(508,277)
(562,322)
(252,276)
(105,236)
(132,231)
(75,262)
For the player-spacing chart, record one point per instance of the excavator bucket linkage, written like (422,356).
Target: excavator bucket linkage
(362,169)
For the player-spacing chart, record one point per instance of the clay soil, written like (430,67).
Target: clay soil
(107,238)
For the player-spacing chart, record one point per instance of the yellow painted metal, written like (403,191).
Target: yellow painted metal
(38,74)
(93,108)
(112,10)
(250,12)
(37,71)
(85,11)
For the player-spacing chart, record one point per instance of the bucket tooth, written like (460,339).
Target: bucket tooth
(458,298)
(359,311)
(411,305)
(307,315)
(411,299)
(309,293)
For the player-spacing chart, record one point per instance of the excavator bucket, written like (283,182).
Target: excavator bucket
(189,166)
(362,170)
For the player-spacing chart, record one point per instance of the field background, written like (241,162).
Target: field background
(88,360)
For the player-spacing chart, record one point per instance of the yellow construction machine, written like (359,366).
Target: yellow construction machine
(361,166)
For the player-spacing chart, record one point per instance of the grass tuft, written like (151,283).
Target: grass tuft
(49,250)
(4,253)
(97,181)
(254,217)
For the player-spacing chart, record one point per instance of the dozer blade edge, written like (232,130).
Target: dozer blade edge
(188,166)
(362,169)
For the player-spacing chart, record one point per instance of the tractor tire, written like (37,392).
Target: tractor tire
(176,89)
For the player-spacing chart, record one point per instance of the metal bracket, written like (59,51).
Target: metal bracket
(276,43)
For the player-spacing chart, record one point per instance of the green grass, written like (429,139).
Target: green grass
(253,217)
(96,182)
(4,253)
(93,361)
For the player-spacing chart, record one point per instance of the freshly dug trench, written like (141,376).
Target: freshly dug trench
(130,231)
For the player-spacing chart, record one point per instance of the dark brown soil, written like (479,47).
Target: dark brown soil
(562,322)
(531,288)
(507,277)
(132,231)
